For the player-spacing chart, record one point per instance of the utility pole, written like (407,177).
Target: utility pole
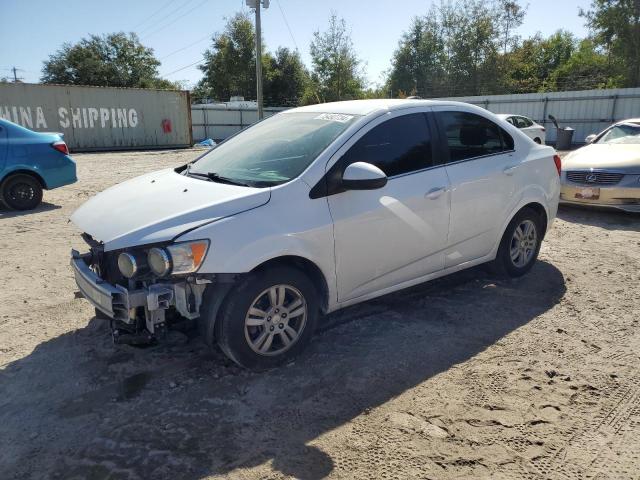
(15,74)
(255,4)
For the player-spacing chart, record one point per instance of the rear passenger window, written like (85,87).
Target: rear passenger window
(525,122)
(397,146)
(469,135)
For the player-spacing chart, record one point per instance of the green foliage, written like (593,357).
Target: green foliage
(455,48)
(616,24)
(337,70)
(114,60)
(230,69)
(285,78)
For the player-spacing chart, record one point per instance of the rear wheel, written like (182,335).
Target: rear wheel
(520,244)
(268,319)
(538,141)
(21,192)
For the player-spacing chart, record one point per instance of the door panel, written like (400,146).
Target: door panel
(3,147)
(387,236)
(399,232)
(481,167)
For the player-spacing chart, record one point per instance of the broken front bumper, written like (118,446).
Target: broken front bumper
(118,303)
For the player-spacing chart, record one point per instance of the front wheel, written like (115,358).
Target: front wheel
(268,319)
(520,244)
(21,192)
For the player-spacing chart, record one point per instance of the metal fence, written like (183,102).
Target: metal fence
(587,111)
(219,122)
(101,118)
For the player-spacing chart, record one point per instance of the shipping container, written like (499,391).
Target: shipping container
(101,118)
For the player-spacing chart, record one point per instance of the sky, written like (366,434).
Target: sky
(178,30)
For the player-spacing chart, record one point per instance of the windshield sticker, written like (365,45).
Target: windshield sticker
(334,117)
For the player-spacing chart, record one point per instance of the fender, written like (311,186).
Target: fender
(531,194)
(26,169)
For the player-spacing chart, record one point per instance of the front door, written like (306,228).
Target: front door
(399,232)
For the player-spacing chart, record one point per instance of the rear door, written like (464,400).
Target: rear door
(397,233)
(480,163)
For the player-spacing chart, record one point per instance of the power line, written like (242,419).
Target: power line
(284,17)
(153,14)
(150,28)
(187,46)
(176,19)
(183,68)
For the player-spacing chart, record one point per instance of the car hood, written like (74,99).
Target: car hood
(604,156)
(159,206)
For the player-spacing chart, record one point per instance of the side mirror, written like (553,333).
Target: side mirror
(363,176)
(590,138)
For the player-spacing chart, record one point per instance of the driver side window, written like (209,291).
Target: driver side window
(399,145)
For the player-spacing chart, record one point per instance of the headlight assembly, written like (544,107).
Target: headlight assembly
(128,265)
(177,259)
(159,261)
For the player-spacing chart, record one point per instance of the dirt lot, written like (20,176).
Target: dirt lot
(466,377)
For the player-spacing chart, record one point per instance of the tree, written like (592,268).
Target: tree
(419,61)
(230,68)
(114,60)
(285,78)
(229,65)
(586,69)
(532,63)
(337,70)
(616,24)
(454,49)
(510,16)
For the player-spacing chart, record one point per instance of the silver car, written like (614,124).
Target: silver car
(606,172)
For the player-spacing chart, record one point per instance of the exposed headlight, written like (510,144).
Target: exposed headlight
(187,257)
(177,259)
(159,261)
(128,265)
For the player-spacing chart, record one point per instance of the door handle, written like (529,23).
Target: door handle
(435,193)
(509,170)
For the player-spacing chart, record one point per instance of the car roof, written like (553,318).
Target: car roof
(629,120)
(366,107)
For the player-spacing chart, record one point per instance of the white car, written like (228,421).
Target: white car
(531,129)
(309,211)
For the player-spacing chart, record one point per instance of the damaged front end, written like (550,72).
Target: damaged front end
(143,291)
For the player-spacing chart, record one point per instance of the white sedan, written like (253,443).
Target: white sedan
(309,211)
(531,129)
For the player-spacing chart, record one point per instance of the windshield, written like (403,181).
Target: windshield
(626,133)
(273,151)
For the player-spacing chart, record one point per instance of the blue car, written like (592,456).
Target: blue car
(31,162)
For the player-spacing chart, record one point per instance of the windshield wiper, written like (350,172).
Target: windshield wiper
(214,177)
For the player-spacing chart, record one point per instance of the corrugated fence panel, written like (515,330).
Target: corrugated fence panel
(101,118)
(219,122)
(588,111)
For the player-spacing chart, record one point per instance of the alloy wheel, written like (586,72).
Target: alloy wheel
(523,243)
(275,320)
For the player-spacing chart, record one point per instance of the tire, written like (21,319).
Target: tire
(538,141)
(275,331)
(525,253)
(21,192)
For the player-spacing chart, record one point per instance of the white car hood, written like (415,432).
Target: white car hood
(159,206)
(624,157)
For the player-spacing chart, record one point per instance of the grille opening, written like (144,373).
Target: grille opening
(594,178)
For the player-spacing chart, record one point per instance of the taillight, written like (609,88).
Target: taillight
(544,129)
(61,147)
(558,161)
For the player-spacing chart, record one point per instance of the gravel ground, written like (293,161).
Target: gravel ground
(464,377)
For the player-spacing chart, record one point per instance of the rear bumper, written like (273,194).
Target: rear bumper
(62,175)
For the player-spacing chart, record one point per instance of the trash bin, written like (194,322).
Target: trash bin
(564,138)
